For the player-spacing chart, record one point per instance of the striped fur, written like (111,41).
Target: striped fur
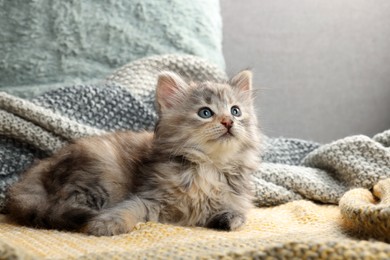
(191,171)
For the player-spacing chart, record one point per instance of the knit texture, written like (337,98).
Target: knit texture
(296,230)
(367,213)
(292,170)
(296,169)
(47,43)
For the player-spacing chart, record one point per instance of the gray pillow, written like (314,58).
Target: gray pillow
(46,43)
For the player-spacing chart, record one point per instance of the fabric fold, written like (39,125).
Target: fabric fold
(367,213)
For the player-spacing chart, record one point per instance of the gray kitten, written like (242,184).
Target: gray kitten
(193,170)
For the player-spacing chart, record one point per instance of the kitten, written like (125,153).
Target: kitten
(193,170)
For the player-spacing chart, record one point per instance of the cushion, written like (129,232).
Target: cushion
(47,43)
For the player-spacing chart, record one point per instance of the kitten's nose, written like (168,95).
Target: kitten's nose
(228,123)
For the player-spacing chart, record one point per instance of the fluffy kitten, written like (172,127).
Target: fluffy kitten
(193,170)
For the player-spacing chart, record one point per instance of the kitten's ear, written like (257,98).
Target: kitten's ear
(242,81)
(170,89)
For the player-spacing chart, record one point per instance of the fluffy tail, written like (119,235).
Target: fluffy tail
(34,210)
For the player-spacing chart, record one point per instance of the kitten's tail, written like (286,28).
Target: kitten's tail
(38,213)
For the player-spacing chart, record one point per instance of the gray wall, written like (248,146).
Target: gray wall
(322,68)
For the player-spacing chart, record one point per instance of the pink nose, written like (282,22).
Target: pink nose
(228,123)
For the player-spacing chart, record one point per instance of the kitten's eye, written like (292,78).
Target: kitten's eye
(205,112)
(235,111)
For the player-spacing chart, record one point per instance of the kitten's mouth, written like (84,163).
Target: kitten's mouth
(228,134)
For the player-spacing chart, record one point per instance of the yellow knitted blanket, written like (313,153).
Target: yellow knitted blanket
(299,229)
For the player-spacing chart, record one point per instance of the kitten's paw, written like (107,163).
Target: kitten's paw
(227,221)
(108,225)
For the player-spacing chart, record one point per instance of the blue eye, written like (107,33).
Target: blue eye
(205,112)
(235,111)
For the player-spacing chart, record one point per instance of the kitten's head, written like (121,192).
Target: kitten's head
(206,121)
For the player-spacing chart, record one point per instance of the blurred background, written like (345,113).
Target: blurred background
(322,68)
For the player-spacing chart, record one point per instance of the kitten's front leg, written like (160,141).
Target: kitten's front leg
(123,217)
(226,220)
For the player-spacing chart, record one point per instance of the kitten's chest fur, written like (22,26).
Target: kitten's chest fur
(200,190)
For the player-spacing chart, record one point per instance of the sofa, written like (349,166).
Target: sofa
(70,69)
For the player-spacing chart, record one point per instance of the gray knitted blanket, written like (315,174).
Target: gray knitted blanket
(292,169)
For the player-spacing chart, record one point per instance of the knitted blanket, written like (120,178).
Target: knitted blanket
(293,172)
